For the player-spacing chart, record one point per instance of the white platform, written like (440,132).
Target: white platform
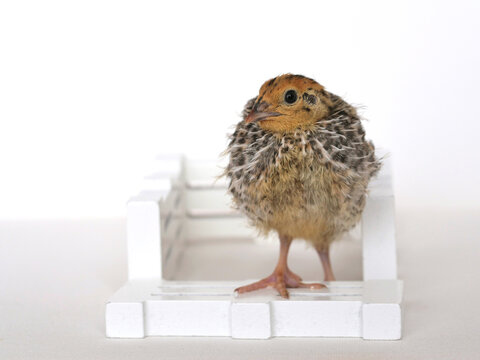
(182,207)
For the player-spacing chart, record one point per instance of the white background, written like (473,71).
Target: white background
(91,91)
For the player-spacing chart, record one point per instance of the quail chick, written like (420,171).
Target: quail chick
(299,165)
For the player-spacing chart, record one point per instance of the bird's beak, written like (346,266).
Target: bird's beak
(258,116)
(260,112)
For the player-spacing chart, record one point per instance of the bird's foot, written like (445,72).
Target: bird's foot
(280,280)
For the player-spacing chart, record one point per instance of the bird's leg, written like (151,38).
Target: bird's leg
(282,277)
(324,254)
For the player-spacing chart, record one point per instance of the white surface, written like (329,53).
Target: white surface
(182,318)
(143,234)
(378,226)
(52,306)
(250,322)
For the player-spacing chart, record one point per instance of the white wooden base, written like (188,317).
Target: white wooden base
(183,205)
(370,310)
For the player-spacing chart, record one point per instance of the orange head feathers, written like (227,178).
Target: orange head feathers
(288,102)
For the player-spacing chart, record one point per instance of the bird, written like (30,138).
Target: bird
(299,165)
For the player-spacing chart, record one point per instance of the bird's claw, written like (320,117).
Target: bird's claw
(280,281)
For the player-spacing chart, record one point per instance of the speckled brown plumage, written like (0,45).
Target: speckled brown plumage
(305,174)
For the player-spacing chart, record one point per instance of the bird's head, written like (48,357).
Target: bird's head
(288,102)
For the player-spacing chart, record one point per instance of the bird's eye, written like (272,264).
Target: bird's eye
(291,96)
